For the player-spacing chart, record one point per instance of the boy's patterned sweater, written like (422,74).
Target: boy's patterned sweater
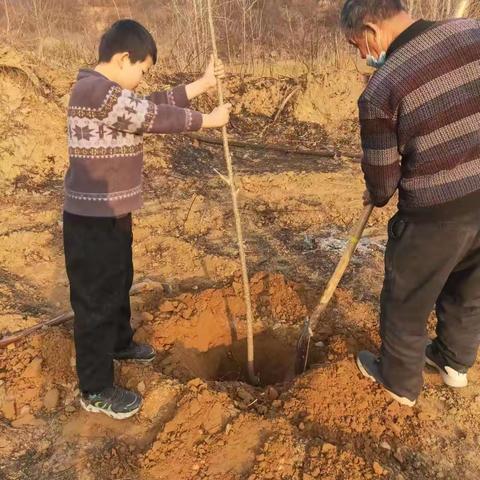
(105,142)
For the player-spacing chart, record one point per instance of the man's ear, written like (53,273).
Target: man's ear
(372,28)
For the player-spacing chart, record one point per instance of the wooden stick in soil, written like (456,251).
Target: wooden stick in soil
(280,109)
(65,317)
(355,156)
(238,223)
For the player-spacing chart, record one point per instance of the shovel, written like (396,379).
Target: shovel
(303,344)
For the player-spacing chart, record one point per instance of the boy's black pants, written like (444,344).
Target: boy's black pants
(98,255)
(427,264)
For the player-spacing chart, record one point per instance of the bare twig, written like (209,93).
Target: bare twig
(281,108)
(189,210)
(116,8)
(7,15)
(65,317)
(238,224)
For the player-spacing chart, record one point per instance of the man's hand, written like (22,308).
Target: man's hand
(219,117)
(214,70)
(367,198)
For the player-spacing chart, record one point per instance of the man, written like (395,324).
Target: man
(420,118)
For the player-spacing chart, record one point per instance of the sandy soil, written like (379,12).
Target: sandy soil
(200,418)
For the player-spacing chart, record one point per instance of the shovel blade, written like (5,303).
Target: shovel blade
(303,348)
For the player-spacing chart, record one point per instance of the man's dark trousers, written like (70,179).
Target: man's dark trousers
(429,263)
(98,255)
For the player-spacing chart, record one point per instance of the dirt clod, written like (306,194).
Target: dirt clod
(51,399)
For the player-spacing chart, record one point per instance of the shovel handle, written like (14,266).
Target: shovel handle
(354,238)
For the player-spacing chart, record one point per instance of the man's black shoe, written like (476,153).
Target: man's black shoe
(369,366)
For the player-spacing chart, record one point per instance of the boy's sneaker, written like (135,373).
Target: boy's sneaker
(139,352)
(115,402)
(451,377)
(369,366)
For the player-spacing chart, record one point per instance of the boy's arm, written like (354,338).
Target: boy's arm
(136,114)
(176,96)
(381,159)
(180,96)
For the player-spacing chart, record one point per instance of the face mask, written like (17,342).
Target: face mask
(371,60)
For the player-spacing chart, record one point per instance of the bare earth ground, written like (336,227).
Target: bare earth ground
(200,419)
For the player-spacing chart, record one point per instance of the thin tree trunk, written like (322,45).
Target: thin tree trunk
(227,36)
(462,8)
(7,16)
(238,223)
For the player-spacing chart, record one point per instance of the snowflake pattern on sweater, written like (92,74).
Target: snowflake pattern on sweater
(105,130)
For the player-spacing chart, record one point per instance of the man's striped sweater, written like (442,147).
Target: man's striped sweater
(105,142)
(420,119)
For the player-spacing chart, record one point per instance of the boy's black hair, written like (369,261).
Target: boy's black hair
(127,36)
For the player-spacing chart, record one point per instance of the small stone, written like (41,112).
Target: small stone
(34,368)
(70,409)
(328,447)
(42,446)
(320,344)
(277,403)
(378,469)
(301,426)
(146,316)
(25,410)
(261,409)
(395,429)
(245,395)
(314,452)
(158,399)
(9,409)
(51,398)
(385,446)
(11,347)
(196,383)
(167,307)
(271,393)
(399,455)
(141,387)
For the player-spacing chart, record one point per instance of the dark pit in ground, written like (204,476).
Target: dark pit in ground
(274,360)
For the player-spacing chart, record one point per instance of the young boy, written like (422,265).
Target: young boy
(103,185)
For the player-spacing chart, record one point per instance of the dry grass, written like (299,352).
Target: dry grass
(254,35)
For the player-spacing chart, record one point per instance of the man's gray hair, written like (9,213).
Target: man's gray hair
(356,12)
